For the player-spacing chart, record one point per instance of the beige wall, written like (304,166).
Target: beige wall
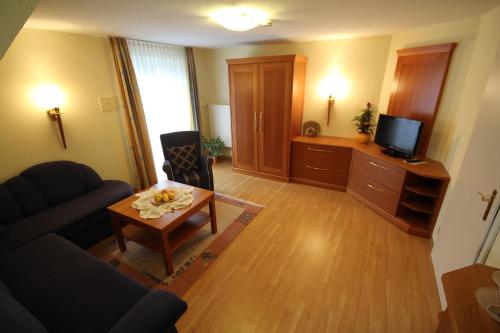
(82,67)
(13,15)
(360,60)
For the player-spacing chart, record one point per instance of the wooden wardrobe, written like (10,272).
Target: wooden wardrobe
(266,98)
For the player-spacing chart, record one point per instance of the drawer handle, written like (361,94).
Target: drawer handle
(378,165)
(375,188)
(314,168)
(320,150)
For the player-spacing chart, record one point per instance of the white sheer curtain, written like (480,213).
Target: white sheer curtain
(162,75)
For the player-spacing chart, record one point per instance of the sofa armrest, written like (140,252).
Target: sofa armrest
(206,167)
(167,168)
(155,312)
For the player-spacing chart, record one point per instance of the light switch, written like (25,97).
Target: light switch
(108,104)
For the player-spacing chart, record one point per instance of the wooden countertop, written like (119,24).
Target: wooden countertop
(465,313)
(432,169)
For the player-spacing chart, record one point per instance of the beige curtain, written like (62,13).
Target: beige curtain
(193,89)
(136,121)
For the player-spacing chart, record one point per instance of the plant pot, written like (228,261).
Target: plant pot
(214,158)
(363,138)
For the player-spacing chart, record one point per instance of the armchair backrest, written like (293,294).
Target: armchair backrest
(179,139)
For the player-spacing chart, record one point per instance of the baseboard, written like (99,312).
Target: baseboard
(262,175)
(318,184)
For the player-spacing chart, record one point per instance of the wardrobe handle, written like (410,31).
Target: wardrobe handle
(261,122)
(378,165)
(320,150)
(255,121)
(375,188)
(314,168)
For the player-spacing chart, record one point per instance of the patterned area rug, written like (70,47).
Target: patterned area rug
(192,259)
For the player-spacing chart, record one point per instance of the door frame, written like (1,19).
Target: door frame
(489,238)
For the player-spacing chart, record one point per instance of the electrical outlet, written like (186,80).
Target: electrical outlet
(108,104)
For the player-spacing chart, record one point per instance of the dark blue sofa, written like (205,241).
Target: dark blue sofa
(63,197)
(47,284)
(51,285)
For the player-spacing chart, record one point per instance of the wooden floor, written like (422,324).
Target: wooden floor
(314,260)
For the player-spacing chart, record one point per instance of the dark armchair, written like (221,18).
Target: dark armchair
(184,162)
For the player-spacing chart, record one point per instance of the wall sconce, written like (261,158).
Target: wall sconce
(336,87)
(55,114)
(51,97)
(331,102)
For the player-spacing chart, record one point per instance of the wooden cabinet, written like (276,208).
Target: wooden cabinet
(324,166)
(409,196)
(418,84)
(266,96)
(244,91)
(463,312)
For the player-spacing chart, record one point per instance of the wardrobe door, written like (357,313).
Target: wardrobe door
(243,82)
(275,92)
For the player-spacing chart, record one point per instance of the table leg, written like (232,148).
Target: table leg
(213,215)
(167,254)
(115,221)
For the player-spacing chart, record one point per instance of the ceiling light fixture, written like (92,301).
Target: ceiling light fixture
(241,18)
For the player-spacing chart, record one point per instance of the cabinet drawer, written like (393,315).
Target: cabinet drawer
(316,154)
(374,192)
(383,172)
(323,173)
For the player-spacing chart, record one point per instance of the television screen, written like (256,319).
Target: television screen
(399,135)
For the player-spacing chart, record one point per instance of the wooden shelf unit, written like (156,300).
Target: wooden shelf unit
(409,196)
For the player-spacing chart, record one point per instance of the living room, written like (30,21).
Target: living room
(281,253)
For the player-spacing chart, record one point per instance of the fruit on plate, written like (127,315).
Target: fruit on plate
(165,196)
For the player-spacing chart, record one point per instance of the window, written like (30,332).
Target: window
(162,75)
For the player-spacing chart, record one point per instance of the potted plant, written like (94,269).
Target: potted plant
(214,147)
(363,124)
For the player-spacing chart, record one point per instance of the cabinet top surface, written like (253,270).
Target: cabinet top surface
(279,58)
(431,169)
(465,313)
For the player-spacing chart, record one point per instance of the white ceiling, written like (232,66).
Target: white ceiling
(187,22)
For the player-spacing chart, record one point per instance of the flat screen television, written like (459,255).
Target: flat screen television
(398,135)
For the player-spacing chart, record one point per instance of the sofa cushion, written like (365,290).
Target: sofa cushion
(91,179)
(66,288)
(110,192)
(49,220)
(27,195)
(157,311)
(10,210)
(14,317)
(58,181)
(64,215)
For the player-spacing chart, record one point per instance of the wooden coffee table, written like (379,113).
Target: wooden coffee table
(166,233)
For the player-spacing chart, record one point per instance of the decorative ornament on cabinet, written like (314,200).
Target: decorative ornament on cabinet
(311,128)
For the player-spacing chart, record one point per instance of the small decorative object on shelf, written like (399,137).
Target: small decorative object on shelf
(311,128)
(214,147)
(363,124)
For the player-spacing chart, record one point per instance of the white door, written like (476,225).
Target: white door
(463,228)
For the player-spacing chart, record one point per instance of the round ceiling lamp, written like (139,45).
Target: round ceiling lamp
(241,18)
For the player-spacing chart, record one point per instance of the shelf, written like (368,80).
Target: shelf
(176,238)
(419,206)
(416,223)
(423,190)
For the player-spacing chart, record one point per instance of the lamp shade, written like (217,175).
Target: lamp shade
(48,96)
(240,18)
